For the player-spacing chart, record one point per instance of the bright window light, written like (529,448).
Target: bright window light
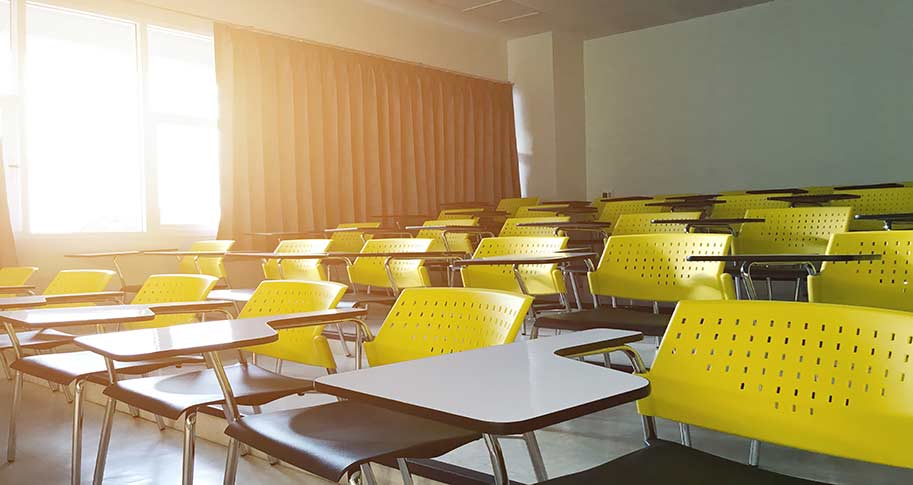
(6,52)
(183,109)
(82,123)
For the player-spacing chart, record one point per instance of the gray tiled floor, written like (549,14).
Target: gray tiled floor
(140,454)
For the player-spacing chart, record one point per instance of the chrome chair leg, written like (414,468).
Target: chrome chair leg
(76,445)
(14,410)
(160,422)
(754,453)
(404,471)
(342,340)
(685,431)
(497,459)
(67,394)
(367,474)
(190,425)
(535,456)
(231,462)
(103,441)
(6,366)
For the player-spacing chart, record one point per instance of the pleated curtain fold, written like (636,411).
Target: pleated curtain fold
(312,136)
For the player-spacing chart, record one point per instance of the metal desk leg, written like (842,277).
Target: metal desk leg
(497,459)
(120,273)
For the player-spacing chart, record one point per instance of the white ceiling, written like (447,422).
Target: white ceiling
(589,18)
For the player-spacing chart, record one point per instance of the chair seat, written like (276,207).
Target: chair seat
(38,340)
(65,368)
(667,462)
(331,439)
(621,318)
(170,396)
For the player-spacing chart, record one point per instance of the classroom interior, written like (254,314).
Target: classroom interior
(456,241)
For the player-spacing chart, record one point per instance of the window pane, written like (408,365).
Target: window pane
(182,74)
(82,123)
(188,174)
(6,52)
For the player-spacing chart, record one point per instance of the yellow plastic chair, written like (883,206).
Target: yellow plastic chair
(305,345)
(426,322)
(801,230)
(70,281)
(527,212)
(510,227)
(628,224)
(298,269)
(351,242)
(540,279)
(406,273)
(512,205)
(815,377)
(884,283)
(166,288)
(877,201)
(16,275)
(212,266)
(455,241)
(653,268)
(734,206)
(611,211)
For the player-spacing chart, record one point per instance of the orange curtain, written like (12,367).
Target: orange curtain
(312,136)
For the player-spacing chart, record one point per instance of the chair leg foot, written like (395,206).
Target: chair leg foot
(190,422)
(14,411)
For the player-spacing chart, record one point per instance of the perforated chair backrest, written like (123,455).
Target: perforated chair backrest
(455,241)
(877,201)
(654,267)
(641,223)
(305,345)
(885,283)
(212,266)
(298,269)
(801,230)
(351,242)
(811,376)
(16,275)
(512,205)
(164,288)
(426,322)
(407,273)
(540,279)
(611,211)
(735,206)
(79,281)
(510,227)
(533,210)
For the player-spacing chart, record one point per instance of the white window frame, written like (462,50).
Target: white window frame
(143,16)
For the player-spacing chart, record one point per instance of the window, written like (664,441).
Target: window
(120,124)
(182,114)
(6,49)
(82,123)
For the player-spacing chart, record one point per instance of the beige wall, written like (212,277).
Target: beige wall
(351,24)
(793,92)
(547,72)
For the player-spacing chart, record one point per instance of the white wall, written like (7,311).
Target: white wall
(547,72)
(351,24)
(793,92)
(531,69)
